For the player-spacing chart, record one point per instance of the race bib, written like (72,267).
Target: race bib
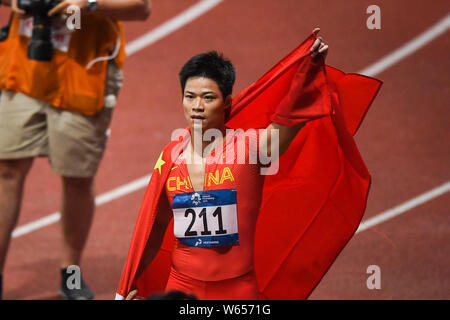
(60,36)
(206,218)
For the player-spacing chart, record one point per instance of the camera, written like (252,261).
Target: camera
(40,46)
(4,32)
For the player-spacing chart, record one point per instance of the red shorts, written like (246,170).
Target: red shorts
(244,287)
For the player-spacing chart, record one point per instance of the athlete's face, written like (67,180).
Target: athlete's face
(203,103)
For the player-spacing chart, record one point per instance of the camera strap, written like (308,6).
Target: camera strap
(113,54)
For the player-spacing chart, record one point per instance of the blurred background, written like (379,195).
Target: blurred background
(404,139)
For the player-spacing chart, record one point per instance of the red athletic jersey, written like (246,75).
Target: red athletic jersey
(223,170)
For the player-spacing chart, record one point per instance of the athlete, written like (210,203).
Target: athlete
(214,189)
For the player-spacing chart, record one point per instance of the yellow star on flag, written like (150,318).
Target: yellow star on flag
(159,163)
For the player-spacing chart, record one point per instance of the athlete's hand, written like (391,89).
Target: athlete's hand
(318,47)
(132,295)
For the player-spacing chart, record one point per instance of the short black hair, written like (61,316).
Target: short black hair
(210,65)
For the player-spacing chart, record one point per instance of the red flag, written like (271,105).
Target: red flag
(310,208)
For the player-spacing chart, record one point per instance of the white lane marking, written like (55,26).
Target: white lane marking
(99,200)
(123,190)
(36,224)
(370,71)
(404,207)
(170,26)
(408,48)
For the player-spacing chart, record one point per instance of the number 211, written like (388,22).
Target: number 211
(217,213)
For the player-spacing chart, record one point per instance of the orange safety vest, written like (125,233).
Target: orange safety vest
(64,82)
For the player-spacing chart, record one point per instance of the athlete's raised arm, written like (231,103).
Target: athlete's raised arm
(287,133)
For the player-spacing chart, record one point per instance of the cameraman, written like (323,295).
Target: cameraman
(61,109)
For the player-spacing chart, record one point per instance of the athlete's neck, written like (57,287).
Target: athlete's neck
(202,144)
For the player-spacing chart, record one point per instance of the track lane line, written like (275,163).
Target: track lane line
(170,26)
(404,207)
(195,11)
(103,198)
(408,48)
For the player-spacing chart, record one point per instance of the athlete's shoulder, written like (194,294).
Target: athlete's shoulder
(173,149)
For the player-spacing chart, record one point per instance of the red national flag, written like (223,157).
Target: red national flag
(312,206)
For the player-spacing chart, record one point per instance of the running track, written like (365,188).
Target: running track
(404,140)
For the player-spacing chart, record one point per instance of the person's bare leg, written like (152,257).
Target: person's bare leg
(12,179)
(76,217)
